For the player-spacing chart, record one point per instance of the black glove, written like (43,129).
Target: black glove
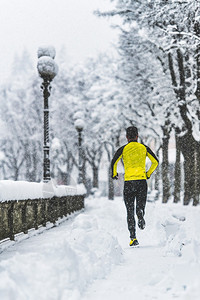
(116,177)
(147,176)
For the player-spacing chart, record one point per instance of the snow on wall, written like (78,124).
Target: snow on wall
(22,190)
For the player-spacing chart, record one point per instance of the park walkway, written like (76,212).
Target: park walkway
(88,257)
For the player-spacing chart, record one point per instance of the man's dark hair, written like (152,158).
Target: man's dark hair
(131,132)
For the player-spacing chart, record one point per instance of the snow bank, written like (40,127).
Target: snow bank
(61,263)
(176,229)
(22,190)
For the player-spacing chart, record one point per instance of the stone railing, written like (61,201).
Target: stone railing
(20,216)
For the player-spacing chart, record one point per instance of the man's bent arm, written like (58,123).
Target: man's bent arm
(154,161)
(115,160)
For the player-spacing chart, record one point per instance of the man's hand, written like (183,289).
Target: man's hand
(147,176)
(116,177)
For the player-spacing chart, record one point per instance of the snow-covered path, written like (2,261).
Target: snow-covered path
(144,268)
(88,257)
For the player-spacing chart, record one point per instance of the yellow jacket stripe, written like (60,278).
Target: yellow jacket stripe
(134,156)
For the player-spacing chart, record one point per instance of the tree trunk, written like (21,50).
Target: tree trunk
(16,174)
(197,174)
(35,156)
(165,161)
(84,169)
(157,175)
(67,178)
(187,141)
(187,144)
(110,153)
(188,149)
(28,162)
(165,169)
(70,165)
(110,185)
(197,93)
(95,176)
(177,171)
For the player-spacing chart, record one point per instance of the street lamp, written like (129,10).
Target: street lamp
(79,125)
(47,69)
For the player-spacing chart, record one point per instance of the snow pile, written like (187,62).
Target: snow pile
(22,190)
(176,229)
(62,262)
(171,229)
(60,271)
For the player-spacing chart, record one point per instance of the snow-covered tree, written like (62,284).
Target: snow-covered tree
(172,27)
(22,119)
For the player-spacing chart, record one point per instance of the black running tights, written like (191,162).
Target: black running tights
(134,189)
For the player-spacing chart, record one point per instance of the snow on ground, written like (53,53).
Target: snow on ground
(88,257)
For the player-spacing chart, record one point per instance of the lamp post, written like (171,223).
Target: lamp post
(79,125)
(47,70)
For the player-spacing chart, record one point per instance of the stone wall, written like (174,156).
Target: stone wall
(20,216)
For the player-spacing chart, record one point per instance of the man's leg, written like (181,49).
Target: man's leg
(129,199)
(141,199)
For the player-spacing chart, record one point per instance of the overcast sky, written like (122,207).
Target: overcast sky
(32,23)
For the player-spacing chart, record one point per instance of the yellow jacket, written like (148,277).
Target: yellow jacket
(134,158)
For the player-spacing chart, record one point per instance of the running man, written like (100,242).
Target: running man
(135,185)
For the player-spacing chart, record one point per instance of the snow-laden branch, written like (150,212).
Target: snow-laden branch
(184,33)
(112,13)
(180,33)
